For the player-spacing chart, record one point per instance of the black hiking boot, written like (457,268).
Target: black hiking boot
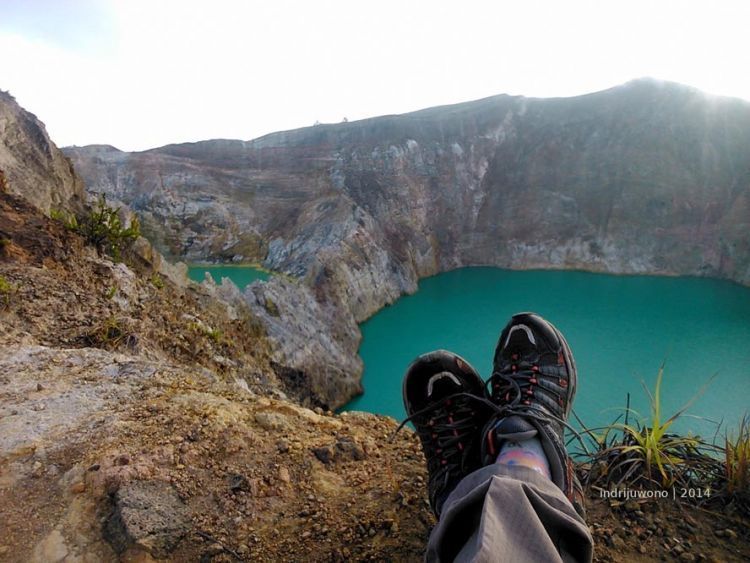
(533,383)
(440,392)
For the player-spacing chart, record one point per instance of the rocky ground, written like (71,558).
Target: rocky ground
(665,530)
(161,462)
(141,419)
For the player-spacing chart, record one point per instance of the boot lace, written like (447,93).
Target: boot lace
(516,384)
(447,429)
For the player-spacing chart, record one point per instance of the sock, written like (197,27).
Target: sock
(527,453)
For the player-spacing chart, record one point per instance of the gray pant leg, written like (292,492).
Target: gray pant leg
(503,513)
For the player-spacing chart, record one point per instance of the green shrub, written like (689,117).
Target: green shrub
(102,227)
(6,290)
(157,281)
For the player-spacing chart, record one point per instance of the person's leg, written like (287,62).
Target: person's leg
(507,513)
(509,510)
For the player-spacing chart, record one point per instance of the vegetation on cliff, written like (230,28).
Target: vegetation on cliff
(102,226)
(645,455)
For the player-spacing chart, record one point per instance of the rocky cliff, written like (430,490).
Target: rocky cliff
(142,421)
(32,165)
(648,177)
(142,417)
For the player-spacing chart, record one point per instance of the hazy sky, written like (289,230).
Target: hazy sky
(142,73)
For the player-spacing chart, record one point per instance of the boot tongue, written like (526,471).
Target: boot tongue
(520,341)
(443,384)
(514,428)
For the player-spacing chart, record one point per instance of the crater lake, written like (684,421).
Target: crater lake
(241,275)
(621,330)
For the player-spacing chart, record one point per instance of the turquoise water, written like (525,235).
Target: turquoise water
(620,328)
(242,276)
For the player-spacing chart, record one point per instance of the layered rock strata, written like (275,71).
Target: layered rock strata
(648,177)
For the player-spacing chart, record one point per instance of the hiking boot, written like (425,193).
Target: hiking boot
(533,384)
(441,392)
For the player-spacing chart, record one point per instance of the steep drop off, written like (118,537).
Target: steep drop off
(142,419)
(648,177)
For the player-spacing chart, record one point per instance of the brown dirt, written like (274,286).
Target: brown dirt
(665,530)
(66,295)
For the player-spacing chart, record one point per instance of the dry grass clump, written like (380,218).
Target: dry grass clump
(111,333)
(737,466)
(648,455)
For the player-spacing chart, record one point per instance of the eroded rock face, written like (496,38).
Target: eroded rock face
(648,177)
(32,165)
(315,345)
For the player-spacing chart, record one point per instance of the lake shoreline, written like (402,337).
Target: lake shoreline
(692,285)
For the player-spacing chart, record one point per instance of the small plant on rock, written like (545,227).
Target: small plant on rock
(213,334)
(7,289)
(648,454)
(737,465)
(111,333)
(5,245)
(157,281)
(68,220)
(102,227)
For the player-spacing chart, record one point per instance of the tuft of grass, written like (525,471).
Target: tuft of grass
(737,462)
(111,292)
(68,220)
(213,334)
(647,453)
(111,333)
(7,289)
(157,281)
(271,307)
(657,449)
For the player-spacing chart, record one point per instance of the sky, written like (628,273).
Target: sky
(138,74)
